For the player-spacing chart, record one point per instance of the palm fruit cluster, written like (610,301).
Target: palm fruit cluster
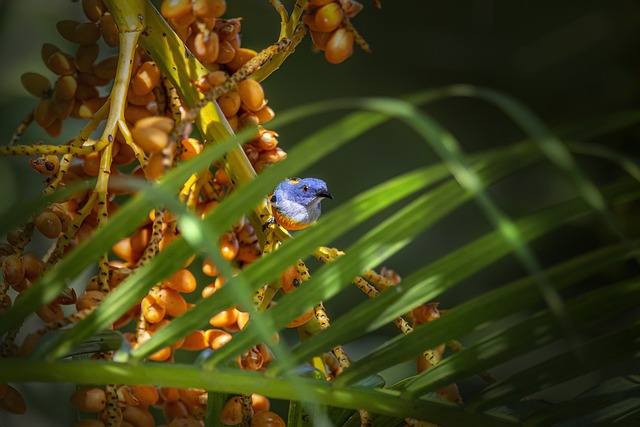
(143,148)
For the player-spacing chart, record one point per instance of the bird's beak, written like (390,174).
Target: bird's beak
(325,194)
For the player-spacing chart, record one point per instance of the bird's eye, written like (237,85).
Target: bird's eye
(305,188)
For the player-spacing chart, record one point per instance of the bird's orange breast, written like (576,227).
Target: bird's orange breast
(287,222)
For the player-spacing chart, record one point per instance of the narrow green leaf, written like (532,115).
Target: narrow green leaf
(527,335)
(238,381)
(450,326)
(559,369)
(552,147)
(608,403)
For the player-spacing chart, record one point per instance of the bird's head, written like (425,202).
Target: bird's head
(306,191)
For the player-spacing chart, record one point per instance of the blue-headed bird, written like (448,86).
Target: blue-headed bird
(296,202)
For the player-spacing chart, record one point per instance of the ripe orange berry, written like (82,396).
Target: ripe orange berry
(50,313)
(259,402)
(138,416)
(124,250)
(33,266)
(251,94)
(151,133)
(172,9)
(267,419)
(195,341)
(216,78)
(36,84)
(91,78)
(232,411)
(93,9)
(12,401)
(140,239)
(267,141)
(89,399)
(174,302)
(146,78)
(191,396)
(145,394)
(249,252)
(209,8)
(55,128)
(169,394)
(154,169)
(161,355)
(291,279)
(267,354)
(134,114)
(89,299)
(217,338)
(67,28)
(449,393)
(226,52)
(109,30)
(209,269)
(125,397)
(90,106)
(48,224)
(43,113)
(265,114)
(228,245)
(230,103)
(175,410)
(62,109)
(13,269)
(225,318)
(153,309)
(86,33)
(47,50)
(204,46)
(329,17)
(86,56)
(65,88)
(221,177)
(243,319)
(208,290)
(425,313)
(182,281)
(182,30)
(140,100)
(339,47)
(241,57)
(61,63)
(191,147)
(91,164)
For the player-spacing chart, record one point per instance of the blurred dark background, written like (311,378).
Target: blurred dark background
(568,60)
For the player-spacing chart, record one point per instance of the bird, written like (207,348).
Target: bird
(296,202)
